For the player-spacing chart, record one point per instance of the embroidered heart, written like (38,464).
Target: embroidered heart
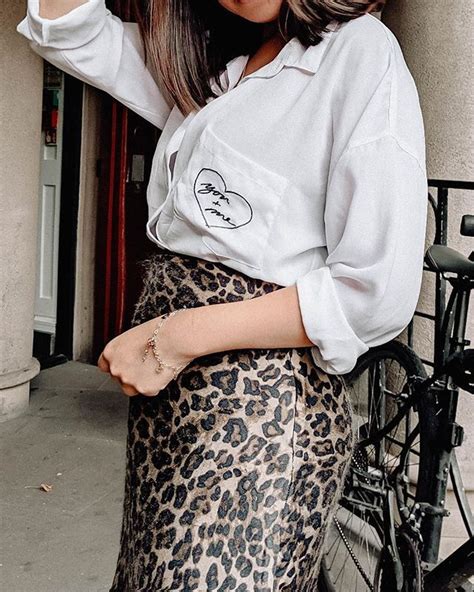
(220,207)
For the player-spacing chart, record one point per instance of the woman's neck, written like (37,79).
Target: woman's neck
(270,29)
(271,45)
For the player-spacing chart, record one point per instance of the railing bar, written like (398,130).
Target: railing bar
(425,315)
(451,184)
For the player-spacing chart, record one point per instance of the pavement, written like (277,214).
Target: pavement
(63,537)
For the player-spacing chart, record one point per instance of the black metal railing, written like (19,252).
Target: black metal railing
(439,201)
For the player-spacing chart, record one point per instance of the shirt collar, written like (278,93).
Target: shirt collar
(293,55)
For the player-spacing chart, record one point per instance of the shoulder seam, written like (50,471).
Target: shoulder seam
(390,68)
(400,144)
(384,29)
(405,149)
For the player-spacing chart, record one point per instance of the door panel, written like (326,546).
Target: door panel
(49,200)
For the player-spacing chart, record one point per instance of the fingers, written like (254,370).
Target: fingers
(135,388)
(129,390)
(103,364)
(127,383)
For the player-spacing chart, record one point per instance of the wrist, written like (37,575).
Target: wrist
(199,331)
(187,332)
(206,329)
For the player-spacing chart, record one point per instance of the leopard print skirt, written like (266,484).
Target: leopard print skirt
(233,471)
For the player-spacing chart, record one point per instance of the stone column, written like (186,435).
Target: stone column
(436,39)
(21,84)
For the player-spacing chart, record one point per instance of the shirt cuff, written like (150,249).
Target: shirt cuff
(71,30)
(325,323)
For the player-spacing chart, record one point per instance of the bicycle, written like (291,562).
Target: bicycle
(385,534)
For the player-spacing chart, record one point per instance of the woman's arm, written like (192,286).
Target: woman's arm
(90,43)
(366,293)
(51,9)
(269,321)
(368,289)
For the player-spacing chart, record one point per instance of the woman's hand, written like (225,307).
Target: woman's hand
(122,356)
(269,321)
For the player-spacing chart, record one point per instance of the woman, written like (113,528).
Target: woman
(287,201)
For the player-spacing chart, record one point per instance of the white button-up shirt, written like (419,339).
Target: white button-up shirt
(308,171)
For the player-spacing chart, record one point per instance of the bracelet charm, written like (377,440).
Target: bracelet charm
(152,344)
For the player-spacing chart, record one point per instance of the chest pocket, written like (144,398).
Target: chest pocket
(229,200)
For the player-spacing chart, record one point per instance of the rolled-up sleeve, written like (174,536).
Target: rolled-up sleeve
(375,220)
(95,46)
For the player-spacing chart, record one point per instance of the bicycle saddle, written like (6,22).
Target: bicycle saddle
(441,258)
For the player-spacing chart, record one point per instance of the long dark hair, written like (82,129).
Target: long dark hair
(188,42)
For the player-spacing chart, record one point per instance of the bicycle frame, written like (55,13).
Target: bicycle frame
(443,433)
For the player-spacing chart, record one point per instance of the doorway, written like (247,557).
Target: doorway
(60,151)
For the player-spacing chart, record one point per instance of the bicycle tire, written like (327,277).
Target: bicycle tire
(408,360)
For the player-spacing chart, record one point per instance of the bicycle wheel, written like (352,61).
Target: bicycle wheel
(355,538)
